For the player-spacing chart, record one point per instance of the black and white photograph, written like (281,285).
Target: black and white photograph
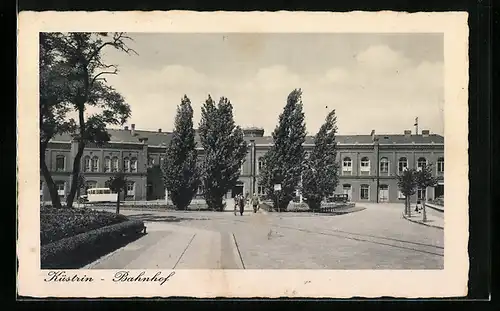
(225,150)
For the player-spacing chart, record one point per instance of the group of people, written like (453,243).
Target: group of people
(239,203)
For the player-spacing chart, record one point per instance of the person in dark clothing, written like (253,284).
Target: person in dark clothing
(242,204)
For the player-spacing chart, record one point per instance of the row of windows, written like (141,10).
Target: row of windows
(364,193)
(130,165)
(385,165)
(110,164)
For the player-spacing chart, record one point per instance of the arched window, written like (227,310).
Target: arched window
(87,165)
(365,165)
(115,164)
(126,165)
(60,163)
(421,194)
(133,165)
(364,194)
(440,165)
(421,163)
(261,190)
(260,164)
(384,166)
(95,164)
(107,165)
(402,164)
(346,166)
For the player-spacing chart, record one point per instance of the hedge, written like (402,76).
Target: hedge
(76,251)
(303,207)
(56,224)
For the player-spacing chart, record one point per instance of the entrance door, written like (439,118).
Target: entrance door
(237,189)
(383,193)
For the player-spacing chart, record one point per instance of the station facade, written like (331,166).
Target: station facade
(368,164)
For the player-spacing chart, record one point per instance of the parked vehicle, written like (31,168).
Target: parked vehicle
(100,195)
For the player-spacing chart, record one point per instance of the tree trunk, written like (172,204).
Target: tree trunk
(409,207)
(54,196)
(118,203)
(406,205)
(74,175)
(424,215)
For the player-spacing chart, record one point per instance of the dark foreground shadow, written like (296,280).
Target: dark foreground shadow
(161,218)
(80,258)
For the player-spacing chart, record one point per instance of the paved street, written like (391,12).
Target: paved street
(377,237)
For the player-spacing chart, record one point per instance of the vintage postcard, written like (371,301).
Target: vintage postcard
(258,154)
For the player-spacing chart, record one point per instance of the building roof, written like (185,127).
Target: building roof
(163,138)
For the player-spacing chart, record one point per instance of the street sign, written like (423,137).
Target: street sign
(277,187)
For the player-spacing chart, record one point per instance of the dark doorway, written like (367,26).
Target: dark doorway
(149,194)
(438,191)
(237,189)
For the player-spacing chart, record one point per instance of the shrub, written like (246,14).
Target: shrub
(56,224)
(75,251)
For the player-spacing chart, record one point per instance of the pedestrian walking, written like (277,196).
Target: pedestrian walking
(255,202)
(236,203)
(242,204)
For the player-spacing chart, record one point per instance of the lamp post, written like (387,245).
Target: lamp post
(252,165)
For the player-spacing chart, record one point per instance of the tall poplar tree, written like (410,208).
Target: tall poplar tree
(283,162)
(320,175)
(181,176)
(224,150)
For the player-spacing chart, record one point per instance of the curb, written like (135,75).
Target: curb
(421,223)
(434,207)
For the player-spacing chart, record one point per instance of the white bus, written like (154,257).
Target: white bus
(100,195)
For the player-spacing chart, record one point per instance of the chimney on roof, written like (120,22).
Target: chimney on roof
(159,130)
(425,133)
(133,129)
(407,133)
(372,134)
(126,128)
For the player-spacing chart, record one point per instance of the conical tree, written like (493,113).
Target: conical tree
(224,150)
(283,162)
(320,175)
(180,172)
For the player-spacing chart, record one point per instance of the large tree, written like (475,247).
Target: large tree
(407,184)
(320,175)
(180,166)
(87,87)
(224,150)
(54,106)
(283,162)
(424,179)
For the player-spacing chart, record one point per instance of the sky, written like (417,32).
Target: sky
(375,82)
